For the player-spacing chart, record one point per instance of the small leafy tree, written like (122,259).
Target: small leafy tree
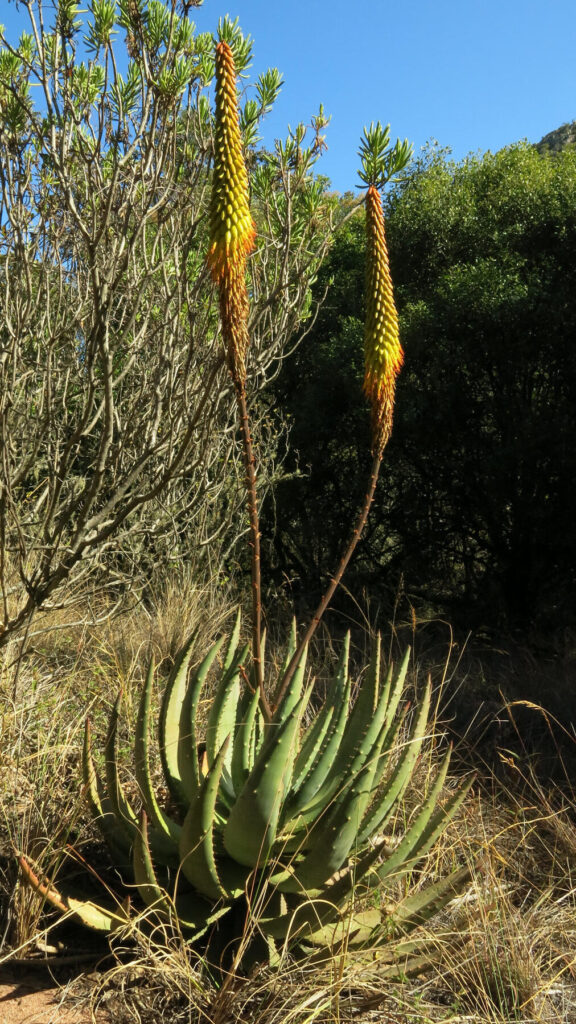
(115,408)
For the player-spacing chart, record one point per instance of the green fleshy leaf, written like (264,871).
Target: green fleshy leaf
(197,841)
(169,725)
(188,770)
(251,827)
(415,910)
(324,764)
(162,821)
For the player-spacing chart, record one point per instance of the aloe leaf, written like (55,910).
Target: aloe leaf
(186,769)
(308,788)
(165,851)
(114,833)
(188,910)
(242,759)
(368,745)
(335,834)
(417,909)
(325,722)
(299,920)
(402,953)
(118,800)
(400,777)
(251,827)
(197,842)
(256,737)
(351,759)
(365,703)
(149,889)
(169,723)
(390,741)
(353,929)
(415,838)
(232,643)
(315,909)
(338,890)
(386,691)
(93,785)
(393,696)
(162,821)
(393,960)
(338,693)
(424,832)
(339,786)
(360,743)
(425,813)
(224,708)
(222,722)
(372,683)
(92,915)
(308,921)
(310,748)
(293,693)
(369,712)
(290,648)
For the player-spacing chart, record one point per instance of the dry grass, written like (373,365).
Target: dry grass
(503,952)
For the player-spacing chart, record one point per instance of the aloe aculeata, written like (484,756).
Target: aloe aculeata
(278,810)
(286,816)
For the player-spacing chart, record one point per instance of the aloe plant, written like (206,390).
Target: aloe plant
(289,815)
(278,811)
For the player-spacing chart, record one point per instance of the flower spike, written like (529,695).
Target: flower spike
(383,351)
(232,230)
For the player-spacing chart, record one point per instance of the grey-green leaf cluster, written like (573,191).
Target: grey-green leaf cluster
(382,163)
(241,46)
(267,88)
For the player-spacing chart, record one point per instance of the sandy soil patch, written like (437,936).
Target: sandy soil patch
(32,995)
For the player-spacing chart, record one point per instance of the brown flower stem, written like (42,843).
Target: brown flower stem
(250,469)
(334,582)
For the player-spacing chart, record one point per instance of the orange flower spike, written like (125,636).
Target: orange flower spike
(232,230)
(382,348)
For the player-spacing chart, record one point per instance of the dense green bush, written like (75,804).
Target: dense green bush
(474,511)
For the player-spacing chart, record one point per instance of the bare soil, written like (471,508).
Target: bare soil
(33,995)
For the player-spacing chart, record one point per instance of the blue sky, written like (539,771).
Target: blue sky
(473,74)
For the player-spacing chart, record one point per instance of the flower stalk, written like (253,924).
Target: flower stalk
(383,361)
(232,236)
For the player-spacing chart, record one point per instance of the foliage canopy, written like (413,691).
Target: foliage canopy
(476,512)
